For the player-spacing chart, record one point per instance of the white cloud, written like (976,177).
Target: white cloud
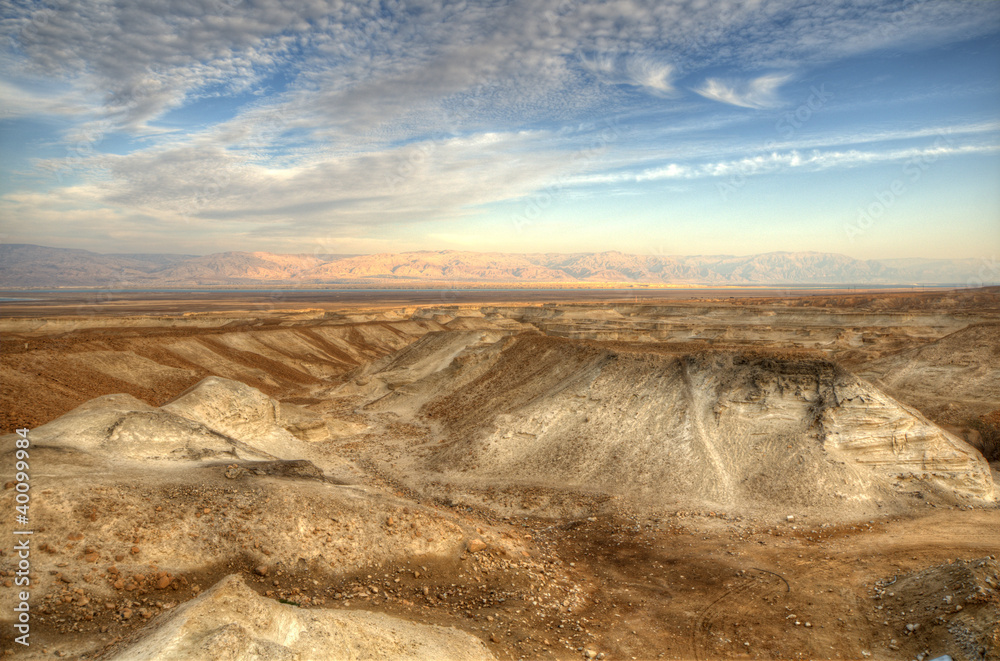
(21,102)
(354,63)
(366,116)
(644,71)
(761,92)
(652,75)
(783,161)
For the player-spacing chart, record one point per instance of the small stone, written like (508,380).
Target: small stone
(589,654)
(912,627)
(476,545)
(958,608)
(163,582)
(91,557)
(790,517)
(135,550)
(261,570)
(127,614)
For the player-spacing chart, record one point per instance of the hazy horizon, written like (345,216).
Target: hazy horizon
(870,130)
(208,253)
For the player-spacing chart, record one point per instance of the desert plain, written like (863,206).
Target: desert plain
(505,475)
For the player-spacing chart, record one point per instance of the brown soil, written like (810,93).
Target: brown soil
(684,586)
(692,584)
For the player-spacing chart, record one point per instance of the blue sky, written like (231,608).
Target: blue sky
(865,128)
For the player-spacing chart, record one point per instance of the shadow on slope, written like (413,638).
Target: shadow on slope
(727,430)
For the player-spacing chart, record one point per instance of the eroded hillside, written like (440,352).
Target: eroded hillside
(530,481)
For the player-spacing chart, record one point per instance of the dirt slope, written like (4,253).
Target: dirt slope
(950,379)
(44,376)
(729,431)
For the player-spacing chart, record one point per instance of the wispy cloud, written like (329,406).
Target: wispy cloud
(814,161)
(299,115)
(21,102)
(646,72)
(761,92)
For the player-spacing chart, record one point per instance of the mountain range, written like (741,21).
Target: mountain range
(31,266)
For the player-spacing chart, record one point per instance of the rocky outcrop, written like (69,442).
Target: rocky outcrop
(868,427)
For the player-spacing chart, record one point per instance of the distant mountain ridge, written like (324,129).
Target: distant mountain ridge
(32,266)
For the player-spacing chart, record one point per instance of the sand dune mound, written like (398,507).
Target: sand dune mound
(231,621)
(951,379)
(730,430)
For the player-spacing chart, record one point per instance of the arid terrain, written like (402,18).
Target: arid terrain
(772,474)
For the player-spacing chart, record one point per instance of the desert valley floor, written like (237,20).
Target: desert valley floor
(795,476)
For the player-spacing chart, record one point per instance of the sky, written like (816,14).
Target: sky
(867,128)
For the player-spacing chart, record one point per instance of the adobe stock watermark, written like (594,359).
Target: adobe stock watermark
(886,197)
(543,199)
(22,538)
(788,124)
